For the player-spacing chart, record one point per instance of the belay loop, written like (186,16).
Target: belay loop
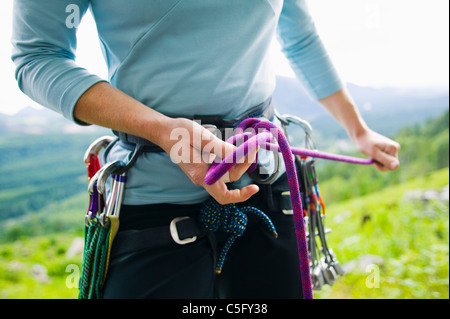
(232,220)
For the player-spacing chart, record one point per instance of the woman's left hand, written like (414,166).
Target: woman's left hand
(381,148)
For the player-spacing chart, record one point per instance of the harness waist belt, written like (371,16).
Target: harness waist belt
(181,231)
(265,109)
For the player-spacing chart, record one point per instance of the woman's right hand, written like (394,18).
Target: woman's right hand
(194,148)
(104,105)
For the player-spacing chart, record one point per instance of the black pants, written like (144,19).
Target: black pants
(257,265)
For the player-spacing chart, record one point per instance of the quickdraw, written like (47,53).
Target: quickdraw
(102,218)
(324,270)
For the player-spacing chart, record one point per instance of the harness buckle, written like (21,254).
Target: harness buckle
(282,203)
(175,235)
(288,211)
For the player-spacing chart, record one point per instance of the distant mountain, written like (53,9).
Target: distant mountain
(386,110)
(31,120)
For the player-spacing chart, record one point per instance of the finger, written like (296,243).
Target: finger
(380,167)
(239,169)
(223,195)
(207,142)
(226,178)
(216,146)
(209,158)
(392,149)
(385,161)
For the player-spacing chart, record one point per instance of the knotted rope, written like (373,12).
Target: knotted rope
(270,137)
(232,220)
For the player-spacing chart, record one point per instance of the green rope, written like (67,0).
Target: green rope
(90,232)
(100,262)
(94,260)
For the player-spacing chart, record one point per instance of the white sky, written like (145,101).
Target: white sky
(372,42)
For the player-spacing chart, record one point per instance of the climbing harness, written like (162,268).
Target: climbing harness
(318,265)
(271,138)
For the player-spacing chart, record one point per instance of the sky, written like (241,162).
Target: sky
(379,43)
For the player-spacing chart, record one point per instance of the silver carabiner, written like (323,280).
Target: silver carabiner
(106,171)
(280,117)
(287,119)
(300,122)
(97,146)
(102,175)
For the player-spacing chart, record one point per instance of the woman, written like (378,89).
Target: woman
(169,60)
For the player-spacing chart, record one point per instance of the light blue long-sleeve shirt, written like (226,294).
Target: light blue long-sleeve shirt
(179,57)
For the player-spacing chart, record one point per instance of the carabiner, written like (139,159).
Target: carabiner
(105,172)
(96,147)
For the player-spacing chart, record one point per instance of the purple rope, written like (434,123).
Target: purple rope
(331,157)
(268,132)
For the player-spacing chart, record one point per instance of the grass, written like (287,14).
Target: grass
(36,268)
(408,240)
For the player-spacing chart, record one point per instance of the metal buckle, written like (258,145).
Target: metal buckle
(287,211)
(174,232)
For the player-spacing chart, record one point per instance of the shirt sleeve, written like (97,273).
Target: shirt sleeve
(43,50)
(305,51)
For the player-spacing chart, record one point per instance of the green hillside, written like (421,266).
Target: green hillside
(399,231)
(38,169)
